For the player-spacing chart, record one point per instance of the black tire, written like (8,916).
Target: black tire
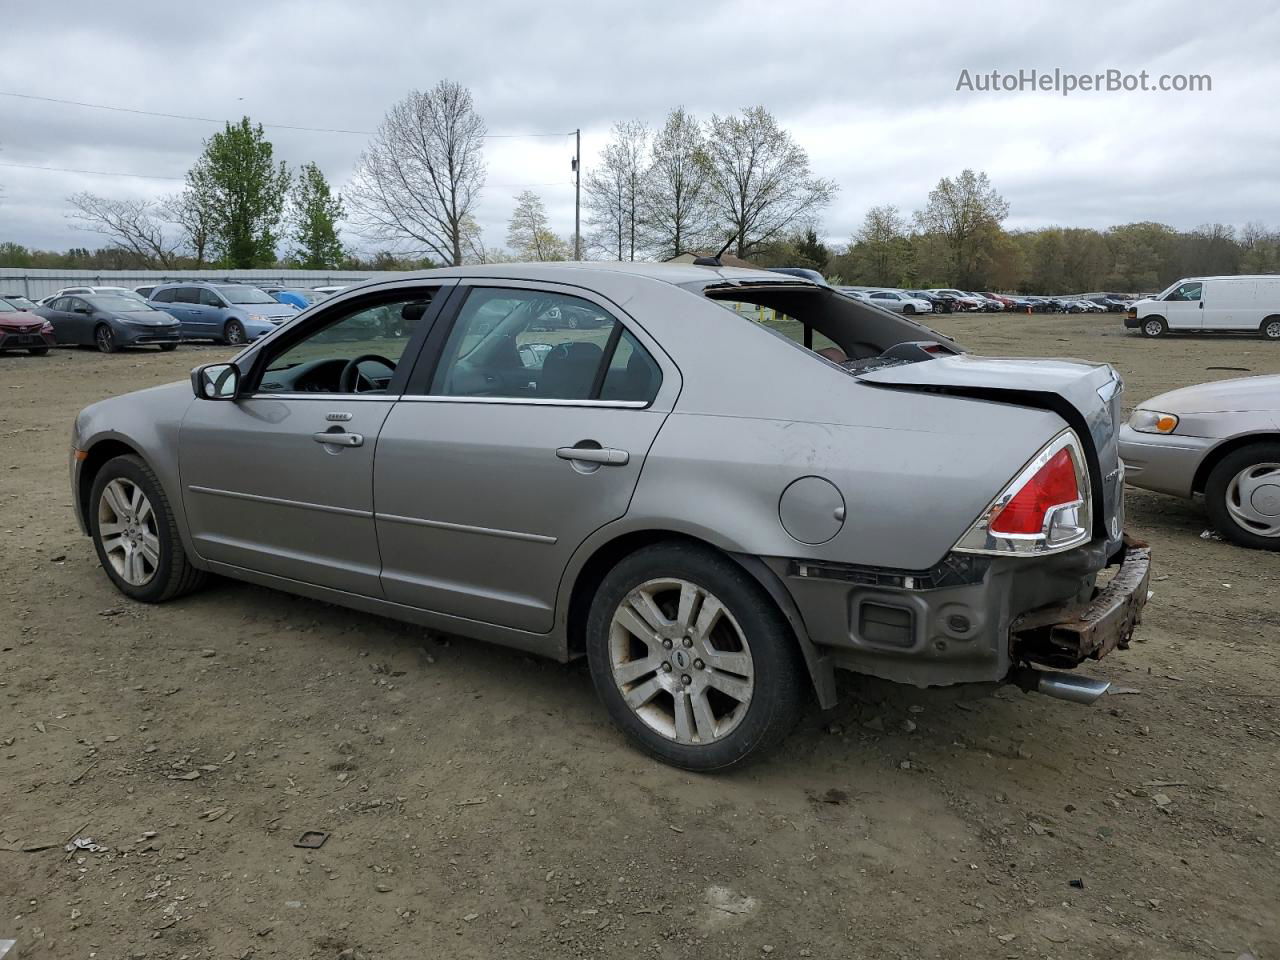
(909,310)
(174,574)
(780,684)
(1153,327)
(168,347)
(1218,492)
(37,351)
(1270,328)
(233,334)
(104,338)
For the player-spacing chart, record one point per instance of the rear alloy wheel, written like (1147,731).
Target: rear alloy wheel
(1154,327)
(1242,496)
(1271,328)
(105,339)
(135,534)
(233,334)
(692,659)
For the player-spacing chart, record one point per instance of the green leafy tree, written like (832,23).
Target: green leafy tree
(529,232)
(966,213)
(245,191)
(314,211)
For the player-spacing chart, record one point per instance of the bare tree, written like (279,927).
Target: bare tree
(418,181)
(966,213)
(676,205)
(190,211)
(614,191)
(760,183)
(134,225)
(529,232)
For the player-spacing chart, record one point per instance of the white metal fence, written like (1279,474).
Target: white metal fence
(35,284)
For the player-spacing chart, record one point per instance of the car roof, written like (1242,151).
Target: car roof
(575,271)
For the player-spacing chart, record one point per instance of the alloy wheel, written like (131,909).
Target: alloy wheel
(235,334)
(104,339)
(128,532)
(1272,330)
(1253,499)
(681,661)
(1152,328)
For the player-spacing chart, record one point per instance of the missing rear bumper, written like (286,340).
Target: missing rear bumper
(1064,635)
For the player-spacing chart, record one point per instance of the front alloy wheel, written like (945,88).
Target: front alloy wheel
(692,658)
(234,333)
(104,338)
(135,534)
(128,533)
(1153,327)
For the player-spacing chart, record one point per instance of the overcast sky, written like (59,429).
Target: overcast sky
(868,89)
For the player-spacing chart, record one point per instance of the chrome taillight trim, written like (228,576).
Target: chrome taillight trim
(979,538)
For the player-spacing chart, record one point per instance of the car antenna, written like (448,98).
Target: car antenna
(715,261)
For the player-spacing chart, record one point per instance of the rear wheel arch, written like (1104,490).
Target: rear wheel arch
(605,557)
(1223,450)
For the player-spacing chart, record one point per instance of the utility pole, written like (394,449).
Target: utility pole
(577,194)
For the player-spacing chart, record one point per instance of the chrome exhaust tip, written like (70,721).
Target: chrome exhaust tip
(1063,686)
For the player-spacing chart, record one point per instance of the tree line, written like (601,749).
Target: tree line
(739,182)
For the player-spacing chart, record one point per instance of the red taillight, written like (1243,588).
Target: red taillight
(1053,485)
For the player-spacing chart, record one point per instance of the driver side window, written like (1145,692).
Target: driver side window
(356,351)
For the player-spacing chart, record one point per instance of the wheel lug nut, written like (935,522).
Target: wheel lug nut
(698,664)
(688,641)
(666,644)
(685,679)
(666,667)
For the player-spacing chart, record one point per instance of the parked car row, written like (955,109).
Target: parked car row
(161,315)
(951,300)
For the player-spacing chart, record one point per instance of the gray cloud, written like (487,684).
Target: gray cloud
(869,92)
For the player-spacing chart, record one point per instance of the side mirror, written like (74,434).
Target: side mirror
(216,381)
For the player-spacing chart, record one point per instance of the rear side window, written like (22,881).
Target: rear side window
(539,345)
(186,295)
(632,374)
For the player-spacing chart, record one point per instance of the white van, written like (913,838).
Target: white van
(1249,304)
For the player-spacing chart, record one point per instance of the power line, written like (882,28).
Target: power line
(96,173)
(148,176)
(278,126)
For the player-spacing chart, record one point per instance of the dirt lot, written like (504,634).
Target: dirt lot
(480,805)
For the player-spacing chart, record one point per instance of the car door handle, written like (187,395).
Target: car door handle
(339,439)
(603,455)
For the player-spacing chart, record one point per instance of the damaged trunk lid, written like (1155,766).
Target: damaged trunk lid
(1086,395)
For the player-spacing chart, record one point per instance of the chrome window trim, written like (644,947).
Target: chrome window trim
(531,401)
(329,397)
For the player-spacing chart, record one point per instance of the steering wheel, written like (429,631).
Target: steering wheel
(349,379)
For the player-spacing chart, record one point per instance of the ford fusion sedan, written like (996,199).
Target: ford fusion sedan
(717,511)
(231,313)
(110,322)
(1219,442)
(21,329)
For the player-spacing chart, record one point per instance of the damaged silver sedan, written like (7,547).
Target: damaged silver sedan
(718,485)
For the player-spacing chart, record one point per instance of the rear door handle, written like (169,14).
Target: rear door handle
(339,439)
(603,455)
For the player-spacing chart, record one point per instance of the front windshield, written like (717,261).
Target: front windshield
(8,306)
(118,304)
(239,294)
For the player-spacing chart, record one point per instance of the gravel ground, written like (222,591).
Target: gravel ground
(478,804)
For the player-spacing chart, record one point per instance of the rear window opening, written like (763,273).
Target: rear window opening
(853,335)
